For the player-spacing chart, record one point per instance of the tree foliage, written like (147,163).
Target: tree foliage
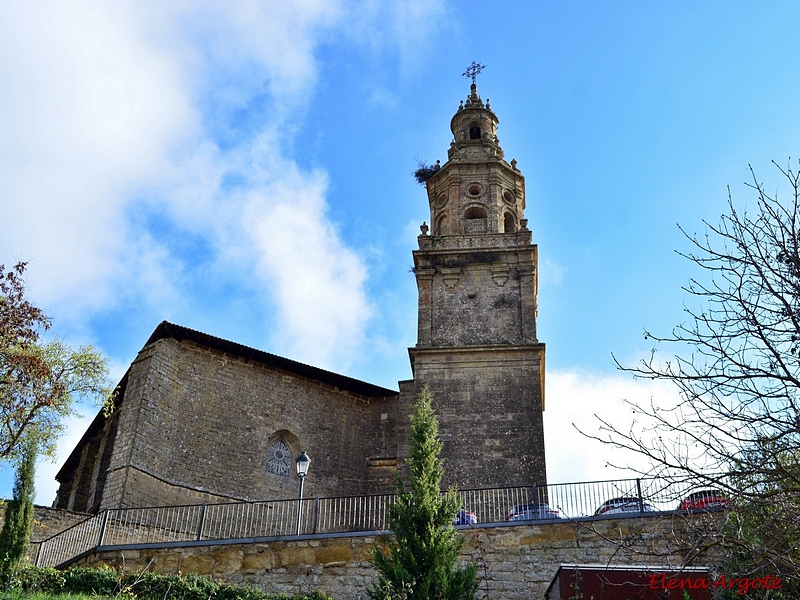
(16,533)
(420,563)
(38,381)
(737,368)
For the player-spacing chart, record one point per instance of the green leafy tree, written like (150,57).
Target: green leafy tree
(16,533)
(39,382)
(421,562)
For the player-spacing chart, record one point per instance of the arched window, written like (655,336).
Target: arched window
(279,458)
(475,133)
(441,226)
(509,224)
(475,212)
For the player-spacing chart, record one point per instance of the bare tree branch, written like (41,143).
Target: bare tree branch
(736,366)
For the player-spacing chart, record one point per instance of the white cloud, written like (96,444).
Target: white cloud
(111,115)
(411,233)
(102,129)
(574,400)
(279,36)
(46,470)
(88,113)
(319,283)
(551,273)
(404,28)
(414,23)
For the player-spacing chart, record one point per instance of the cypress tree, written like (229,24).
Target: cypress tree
(16,533)
(420,563)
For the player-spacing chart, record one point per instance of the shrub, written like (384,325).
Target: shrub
(16,533)
(146,585)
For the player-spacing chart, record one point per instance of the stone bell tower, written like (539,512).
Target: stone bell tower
(477,349)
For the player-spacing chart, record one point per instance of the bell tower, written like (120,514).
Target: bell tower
(476,272)
(477,192)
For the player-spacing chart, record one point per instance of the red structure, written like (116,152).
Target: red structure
(629,582)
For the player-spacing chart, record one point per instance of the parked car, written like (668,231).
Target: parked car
(624,504)
(464,517)
(532,512)
(703,500)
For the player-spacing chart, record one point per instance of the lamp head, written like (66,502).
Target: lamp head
(302,463)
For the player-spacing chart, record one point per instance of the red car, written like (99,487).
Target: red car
(703,500)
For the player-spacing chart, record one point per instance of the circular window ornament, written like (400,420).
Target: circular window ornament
(474,189)
(509,197)
(441,199)
(279,458)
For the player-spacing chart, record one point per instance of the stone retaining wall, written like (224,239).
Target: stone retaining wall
(48,521)
(520,559)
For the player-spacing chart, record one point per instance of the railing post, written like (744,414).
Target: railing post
(639,494)
(103,528)
(316,514)
(202,522)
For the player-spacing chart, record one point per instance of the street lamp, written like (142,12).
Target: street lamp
(302,463)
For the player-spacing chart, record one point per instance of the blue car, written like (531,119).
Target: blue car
(464,517)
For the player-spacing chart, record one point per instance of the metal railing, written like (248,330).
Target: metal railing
(71,542)
(279,518)
(576,500)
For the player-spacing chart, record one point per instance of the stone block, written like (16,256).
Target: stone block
(260,561)
(200,564)
(338,554)
(549,535)
(166,562)
(297,556)
(227,561)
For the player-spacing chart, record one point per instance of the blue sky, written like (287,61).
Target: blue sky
(246,171)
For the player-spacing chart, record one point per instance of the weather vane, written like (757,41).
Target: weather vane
(473,70)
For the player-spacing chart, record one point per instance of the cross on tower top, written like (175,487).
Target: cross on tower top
(473,70)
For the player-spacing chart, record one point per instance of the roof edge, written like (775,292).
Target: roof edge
(342,382)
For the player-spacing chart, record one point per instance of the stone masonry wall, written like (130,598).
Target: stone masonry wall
(476,294)
(520,560)
(82,484)
(489,404)
(204,420)
(46,523)
(50,521)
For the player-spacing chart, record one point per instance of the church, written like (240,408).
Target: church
(199,419)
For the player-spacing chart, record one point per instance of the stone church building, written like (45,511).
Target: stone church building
(202,419)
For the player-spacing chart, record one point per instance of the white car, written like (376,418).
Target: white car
(532,512)
(625,504)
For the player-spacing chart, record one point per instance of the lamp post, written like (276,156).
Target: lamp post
(302,463)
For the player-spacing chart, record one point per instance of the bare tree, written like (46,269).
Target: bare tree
(736,364)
